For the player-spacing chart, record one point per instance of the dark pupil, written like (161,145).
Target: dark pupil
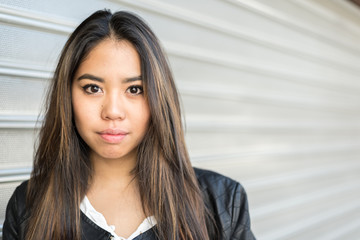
(133,90)
(94,89)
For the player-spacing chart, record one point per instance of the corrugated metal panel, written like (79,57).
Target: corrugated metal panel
(270,93)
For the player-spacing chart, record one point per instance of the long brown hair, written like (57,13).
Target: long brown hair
(167,182)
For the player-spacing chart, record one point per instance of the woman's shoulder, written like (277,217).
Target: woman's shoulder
(22,188)
(227,201)
(20,192)
(216,182)
(15,215)
(18,199)
(221,193)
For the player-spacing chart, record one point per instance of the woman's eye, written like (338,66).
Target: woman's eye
(91,89)
(135,90)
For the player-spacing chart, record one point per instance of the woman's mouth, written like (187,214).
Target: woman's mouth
(113,135)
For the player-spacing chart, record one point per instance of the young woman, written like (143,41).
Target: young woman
(111,161)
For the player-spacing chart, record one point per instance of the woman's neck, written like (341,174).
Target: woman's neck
(114,192)
(112,174)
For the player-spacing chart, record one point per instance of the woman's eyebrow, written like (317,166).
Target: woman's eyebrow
(132,79)
(99,79)
(91,77)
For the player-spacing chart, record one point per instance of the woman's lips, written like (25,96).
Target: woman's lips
(113,135)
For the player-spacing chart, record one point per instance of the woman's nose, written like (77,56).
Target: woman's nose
(113,107)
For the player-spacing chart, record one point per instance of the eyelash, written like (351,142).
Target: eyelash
(139,89)
(87,86)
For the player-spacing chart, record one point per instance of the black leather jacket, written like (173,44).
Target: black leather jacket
(225,197)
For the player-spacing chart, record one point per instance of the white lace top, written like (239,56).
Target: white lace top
(100,220)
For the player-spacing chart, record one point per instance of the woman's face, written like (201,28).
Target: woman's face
(110,110)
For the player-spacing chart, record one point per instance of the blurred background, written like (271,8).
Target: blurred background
(270,92)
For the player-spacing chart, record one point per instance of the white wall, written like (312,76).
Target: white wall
(270,91)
